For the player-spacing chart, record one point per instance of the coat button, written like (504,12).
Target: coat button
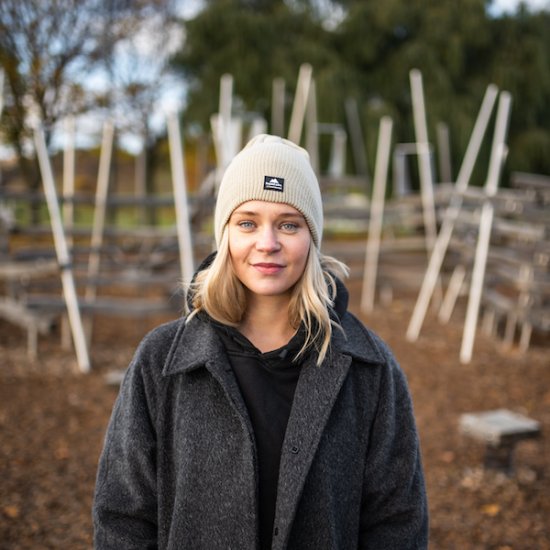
(275,531)
(295,450)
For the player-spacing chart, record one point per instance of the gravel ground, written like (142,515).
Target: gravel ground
(52,421)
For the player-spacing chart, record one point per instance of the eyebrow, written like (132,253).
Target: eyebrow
(254,213)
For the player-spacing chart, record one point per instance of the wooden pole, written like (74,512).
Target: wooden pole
(225,110)
(376,214)
(498,155)
(1,91)
(68,208)
(337,166)
(444,150)
(100,208)
(62,251)
(278,107)
(424,163)
(312,133)
(68,177)
(180,197)
(451,213)
(357,140)
(300,102)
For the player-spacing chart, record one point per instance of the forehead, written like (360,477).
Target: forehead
(259,208)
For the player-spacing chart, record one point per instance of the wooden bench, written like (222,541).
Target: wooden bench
(500,430)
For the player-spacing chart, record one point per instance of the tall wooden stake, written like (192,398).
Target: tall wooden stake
(300,102)
(278,107)
(180,197)
(498,155)
(451,213)
(98,227)
(376,214)
(62,251)
(424,163)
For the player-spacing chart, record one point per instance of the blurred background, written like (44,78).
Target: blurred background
(128,112)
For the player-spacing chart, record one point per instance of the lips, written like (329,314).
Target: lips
(268,268)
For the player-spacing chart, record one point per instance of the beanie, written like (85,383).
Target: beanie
(270,168)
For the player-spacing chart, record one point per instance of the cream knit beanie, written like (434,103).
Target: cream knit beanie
(272,169)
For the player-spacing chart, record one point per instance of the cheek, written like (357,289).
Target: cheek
(302,252)
(235,246)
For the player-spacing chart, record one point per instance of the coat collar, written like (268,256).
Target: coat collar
(196,343)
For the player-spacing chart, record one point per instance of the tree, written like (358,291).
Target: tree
(48,50)
(255,41)
(367,51)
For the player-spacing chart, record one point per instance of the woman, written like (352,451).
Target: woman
(269,417)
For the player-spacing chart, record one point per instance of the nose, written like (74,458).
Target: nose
(267,240)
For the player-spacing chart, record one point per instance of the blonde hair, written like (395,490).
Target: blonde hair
(217,291)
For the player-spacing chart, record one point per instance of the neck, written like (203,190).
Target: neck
(266,323)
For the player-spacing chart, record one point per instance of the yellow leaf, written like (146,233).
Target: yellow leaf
(491,510)
(11,512)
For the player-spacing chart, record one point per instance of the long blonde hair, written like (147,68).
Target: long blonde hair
(217,291)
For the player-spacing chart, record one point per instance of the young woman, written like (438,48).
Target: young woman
(269,417)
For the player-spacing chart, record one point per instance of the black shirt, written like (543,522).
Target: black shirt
(267,382)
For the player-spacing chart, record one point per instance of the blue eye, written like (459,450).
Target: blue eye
(246,224)
(289,226)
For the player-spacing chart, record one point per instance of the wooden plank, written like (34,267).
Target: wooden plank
(13,270)
(115,306)
(20,314)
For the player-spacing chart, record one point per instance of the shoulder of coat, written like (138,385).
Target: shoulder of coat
(362,343)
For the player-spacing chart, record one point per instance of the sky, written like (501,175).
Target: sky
(509,6)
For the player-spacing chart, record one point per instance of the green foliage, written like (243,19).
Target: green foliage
(368,55)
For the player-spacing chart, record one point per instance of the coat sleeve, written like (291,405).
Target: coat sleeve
(394,510)
(125,502)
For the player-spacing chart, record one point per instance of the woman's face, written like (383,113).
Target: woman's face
(268,244)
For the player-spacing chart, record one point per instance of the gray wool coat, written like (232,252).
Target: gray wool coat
(179,468)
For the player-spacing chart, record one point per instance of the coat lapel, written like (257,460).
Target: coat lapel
(315,395)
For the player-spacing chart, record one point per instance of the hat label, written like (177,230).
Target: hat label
(272,183)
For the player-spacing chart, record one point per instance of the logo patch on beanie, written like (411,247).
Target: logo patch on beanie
(272,183)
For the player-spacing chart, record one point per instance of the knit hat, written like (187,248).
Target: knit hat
(272,169)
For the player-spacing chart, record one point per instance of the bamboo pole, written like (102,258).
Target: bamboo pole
(451,213)
(62,252)
(300,102)
(376,214)
(180,197)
